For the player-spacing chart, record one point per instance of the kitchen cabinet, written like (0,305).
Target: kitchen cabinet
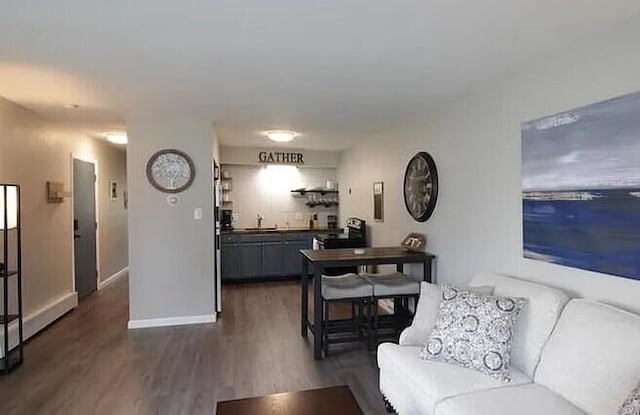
(292,260)
(263,255)
(250,257)
(229,261)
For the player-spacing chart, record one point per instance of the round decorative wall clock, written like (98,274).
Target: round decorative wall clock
(421,186)
(171,171)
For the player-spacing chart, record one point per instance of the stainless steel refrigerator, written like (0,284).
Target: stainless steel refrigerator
(217,213)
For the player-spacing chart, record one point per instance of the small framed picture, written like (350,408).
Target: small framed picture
(378,201)
(113,187)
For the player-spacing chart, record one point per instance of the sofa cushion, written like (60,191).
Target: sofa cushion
(528,399)
(592,357)
(427,313)
(474,331)
(437,380)
(535,323)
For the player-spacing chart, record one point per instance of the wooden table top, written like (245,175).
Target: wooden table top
(375,253)
(337,400)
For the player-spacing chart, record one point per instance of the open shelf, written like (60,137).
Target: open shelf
(8,319)
(327,204)
(304,191)
(10,273)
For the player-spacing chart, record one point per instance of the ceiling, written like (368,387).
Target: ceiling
(334,70)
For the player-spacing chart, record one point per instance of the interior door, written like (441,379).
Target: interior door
(84,227)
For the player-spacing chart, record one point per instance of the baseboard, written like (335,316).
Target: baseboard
(171,321)
(41,318)
(113,278)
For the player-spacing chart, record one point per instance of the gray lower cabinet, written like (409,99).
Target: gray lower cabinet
(250,258)
(272,258)
(262,255)
(229,261)
(292,260)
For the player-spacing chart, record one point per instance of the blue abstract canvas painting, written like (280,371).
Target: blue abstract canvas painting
(581,187)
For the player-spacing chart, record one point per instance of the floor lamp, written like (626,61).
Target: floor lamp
(11,268)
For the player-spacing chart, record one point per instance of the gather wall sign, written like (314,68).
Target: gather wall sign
(277,157)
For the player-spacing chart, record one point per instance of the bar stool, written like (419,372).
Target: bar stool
(401,288)
(345,288)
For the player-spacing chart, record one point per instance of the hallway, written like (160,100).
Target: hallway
(89,363)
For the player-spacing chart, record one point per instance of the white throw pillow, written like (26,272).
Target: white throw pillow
(474,331)
(632,405)
(427,312)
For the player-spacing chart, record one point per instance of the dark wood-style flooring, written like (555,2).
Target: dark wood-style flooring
(89,363)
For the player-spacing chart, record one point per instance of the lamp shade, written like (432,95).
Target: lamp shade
(10,205)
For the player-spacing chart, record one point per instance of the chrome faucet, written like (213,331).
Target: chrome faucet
(260,219)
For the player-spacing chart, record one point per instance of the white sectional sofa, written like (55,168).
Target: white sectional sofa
(568,357)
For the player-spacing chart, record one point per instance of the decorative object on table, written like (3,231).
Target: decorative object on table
(378,201)
(113,189)
(474,331)
(631,405)
(421,186)
(414,242)
(11,236)
(171,171)
(581,187)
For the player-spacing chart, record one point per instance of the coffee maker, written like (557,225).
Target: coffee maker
(227,220)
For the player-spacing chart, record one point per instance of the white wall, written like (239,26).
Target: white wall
(267,190)
(32,152)
(475,141)
(171,272)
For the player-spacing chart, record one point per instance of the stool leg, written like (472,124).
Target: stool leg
(360,322)
(374,304)
(325,327)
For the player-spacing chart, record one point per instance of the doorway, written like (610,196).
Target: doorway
(85,227)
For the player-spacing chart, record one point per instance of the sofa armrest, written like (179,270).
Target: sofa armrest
(411,337)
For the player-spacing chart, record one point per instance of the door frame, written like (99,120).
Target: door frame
(87,159)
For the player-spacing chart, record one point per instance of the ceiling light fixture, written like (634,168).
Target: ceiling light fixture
(281,136)
(72,106)
(117,138)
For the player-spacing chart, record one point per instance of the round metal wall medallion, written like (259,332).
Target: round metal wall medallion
(421,186)
(170,171)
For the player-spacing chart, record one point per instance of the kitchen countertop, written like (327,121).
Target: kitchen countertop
(241,231)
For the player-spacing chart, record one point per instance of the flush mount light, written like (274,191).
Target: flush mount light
(281,136)
(117,138)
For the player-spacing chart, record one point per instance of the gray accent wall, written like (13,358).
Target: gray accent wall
(475,141)
(171,270)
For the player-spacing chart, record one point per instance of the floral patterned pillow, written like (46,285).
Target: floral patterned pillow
(632,405)
(474,331)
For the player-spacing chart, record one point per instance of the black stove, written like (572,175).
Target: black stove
(356,237)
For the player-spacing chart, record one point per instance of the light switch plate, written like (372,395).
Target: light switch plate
(197,213)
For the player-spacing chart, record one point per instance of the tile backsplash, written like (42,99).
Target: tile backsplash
(266,190)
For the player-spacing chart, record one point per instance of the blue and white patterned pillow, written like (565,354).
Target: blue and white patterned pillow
(632,405)
(474,331)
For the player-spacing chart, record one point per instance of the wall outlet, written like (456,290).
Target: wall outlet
(298,215)
(197,213)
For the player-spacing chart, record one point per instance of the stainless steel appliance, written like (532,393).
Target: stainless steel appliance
(355,237)
(227,220)
(217,213)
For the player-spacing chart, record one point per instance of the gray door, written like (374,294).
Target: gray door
(84,227)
